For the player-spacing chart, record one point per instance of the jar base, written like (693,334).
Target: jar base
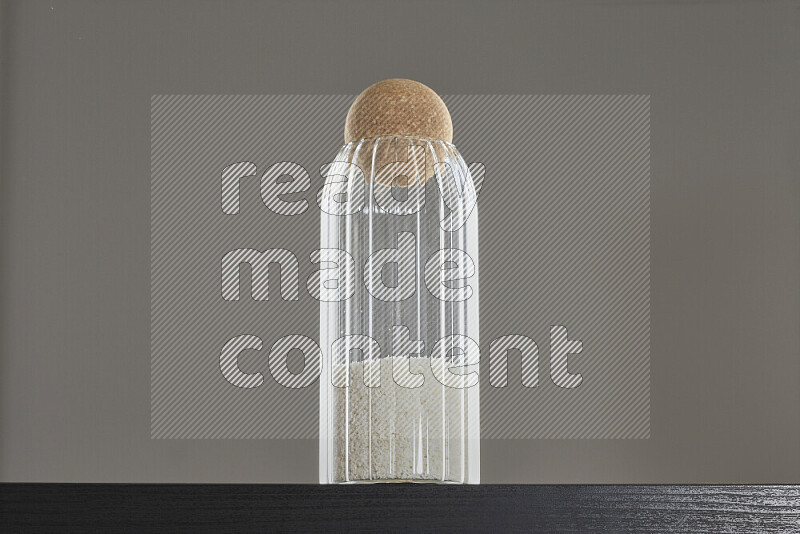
(402,481)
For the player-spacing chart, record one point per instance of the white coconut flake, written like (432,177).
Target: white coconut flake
(398,433)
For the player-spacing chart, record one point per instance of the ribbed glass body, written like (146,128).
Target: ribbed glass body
(399,399)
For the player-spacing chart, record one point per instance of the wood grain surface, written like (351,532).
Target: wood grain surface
(301,508)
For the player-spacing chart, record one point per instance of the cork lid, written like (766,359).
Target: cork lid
(398,107)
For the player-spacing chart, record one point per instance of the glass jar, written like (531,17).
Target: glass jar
(398,282)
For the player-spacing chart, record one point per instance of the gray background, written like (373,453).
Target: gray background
(76,84)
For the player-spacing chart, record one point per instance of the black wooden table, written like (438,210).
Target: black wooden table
(260,508)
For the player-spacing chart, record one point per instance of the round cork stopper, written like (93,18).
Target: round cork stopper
(398,107)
